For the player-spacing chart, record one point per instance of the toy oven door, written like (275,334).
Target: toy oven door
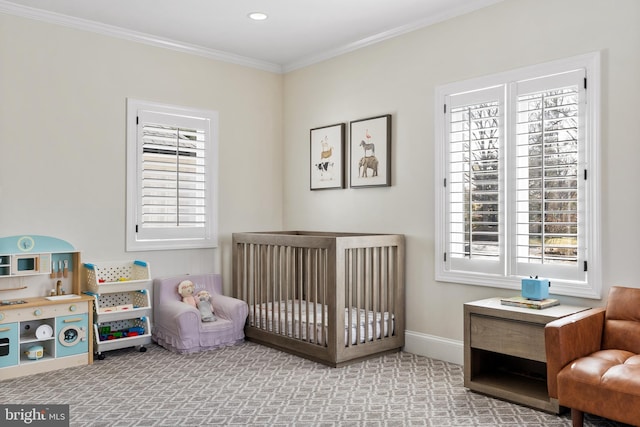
(4,346)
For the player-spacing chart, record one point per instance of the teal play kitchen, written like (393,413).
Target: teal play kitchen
(45,319)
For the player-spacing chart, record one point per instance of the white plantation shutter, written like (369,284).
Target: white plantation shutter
(475,135)
(549,170)
(517,178)
(175,167)
(173,175)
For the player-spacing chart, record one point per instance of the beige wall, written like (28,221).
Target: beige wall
(62,139)
(399,76)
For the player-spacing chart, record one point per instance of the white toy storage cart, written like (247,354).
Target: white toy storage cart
(122,304)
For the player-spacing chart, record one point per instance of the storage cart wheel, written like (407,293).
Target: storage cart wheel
(143,349)
(101,356)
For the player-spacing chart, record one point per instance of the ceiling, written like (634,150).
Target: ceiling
(295,34)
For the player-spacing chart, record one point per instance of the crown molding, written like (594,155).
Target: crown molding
(121,33)
(389,34)
(113,31)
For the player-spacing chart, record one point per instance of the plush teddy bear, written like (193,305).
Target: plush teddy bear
(186,288)
(203,299)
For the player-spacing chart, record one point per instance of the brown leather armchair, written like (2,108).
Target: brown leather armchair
(593,360)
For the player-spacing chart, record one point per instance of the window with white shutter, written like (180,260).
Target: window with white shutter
(474,199)
(518,178)
(171,177)
(550,197)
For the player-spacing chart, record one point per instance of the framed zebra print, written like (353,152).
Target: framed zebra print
(370,152)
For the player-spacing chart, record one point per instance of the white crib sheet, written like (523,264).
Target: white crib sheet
(297,319)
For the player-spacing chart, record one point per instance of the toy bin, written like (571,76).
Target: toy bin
(121,334)
(121,305)
(116,276)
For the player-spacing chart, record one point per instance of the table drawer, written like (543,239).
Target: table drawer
(515,338)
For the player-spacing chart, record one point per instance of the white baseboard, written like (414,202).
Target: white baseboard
(434,347)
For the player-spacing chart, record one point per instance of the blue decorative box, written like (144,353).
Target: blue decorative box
(535,289)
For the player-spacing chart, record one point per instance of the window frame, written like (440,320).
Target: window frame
(173,238)
(591,286)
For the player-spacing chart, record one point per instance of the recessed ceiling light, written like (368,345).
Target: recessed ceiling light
(258,16)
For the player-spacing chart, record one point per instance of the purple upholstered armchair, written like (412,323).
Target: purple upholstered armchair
(177,325)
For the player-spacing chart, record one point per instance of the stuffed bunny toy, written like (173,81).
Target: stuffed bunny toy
(203,300)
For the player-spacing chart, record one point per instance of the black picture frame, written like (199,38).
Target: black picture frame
(370,152)
(326,157)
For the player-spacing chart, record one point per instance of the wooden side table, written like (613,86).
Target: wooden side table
(504,352)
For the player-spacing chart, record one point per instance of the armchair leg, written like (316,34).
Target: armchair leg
(577,418)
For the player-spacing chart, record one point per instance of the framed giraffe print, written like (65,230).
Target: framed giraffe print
(327,157)
(370,152)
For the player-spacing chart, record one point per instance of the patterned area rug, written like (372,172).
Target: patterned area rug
(250,384)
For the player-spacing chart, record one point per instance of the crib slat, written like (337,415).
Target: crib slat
(256,284)
(349,271)
(386,283)
(372,307)
(391,274)
(301,256)
(280,282)
(290,258)
(353,304)
(313,297)
(381,292)
(322,296)
(305,298)
(375,289)
(359,290)
(267,285)
(260,281)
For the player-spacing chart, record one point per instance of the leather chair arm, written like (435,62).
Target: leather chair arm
(569,338)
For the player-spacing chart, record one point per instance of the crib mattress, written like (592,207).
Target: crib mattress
(305,321)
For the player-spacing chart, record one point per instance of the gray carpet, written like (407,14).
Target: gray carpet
(251,384)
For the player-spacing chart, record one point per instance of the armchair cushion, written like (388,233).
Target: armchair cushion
(178,327)
(622,325)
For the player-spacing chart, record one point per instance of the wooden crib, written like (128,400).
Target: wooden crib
(335,298)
